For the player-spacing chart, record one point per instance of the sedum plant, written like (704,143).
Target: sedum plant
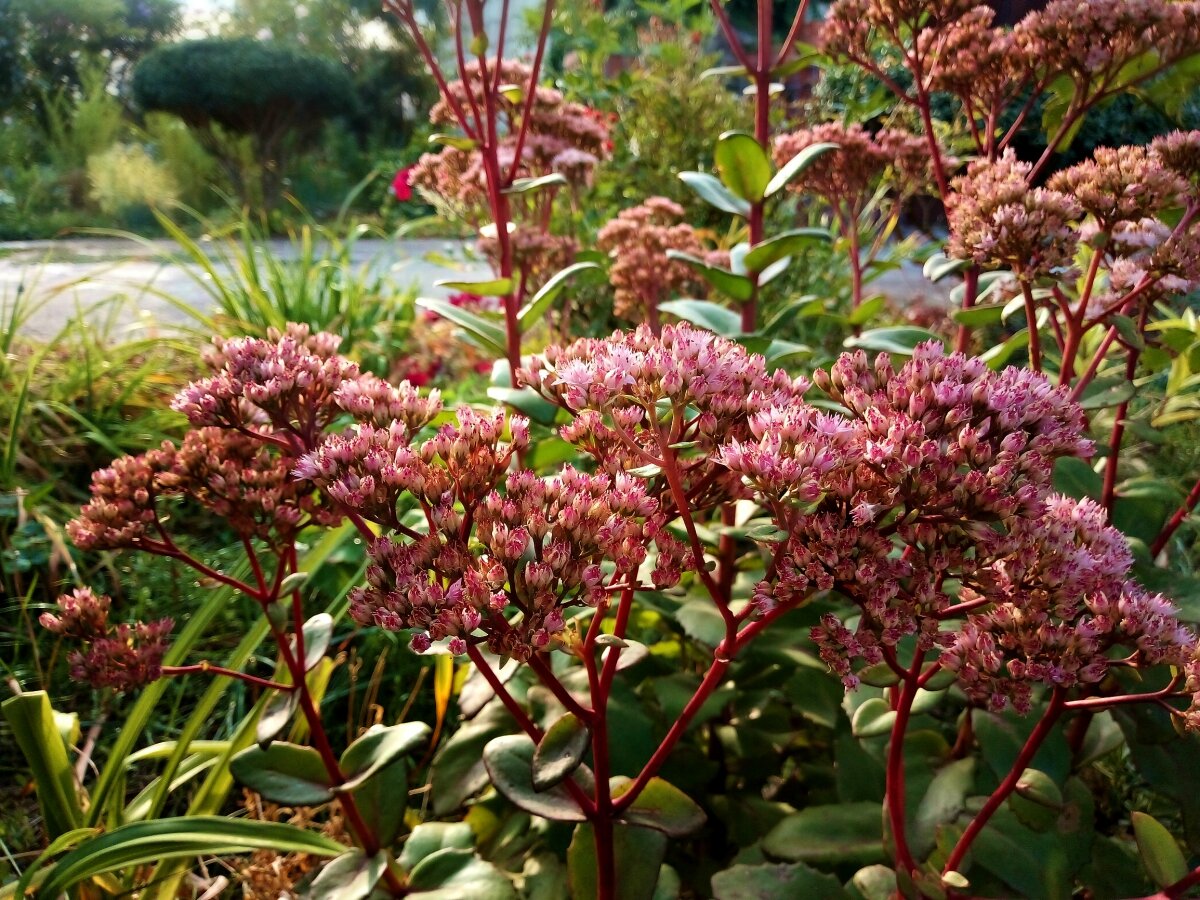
(925,502)
(937,550)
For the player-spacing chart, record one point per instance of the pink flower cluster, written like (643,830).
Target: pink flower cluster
(267,403)
(122,657)
(561,137)
(286,381)
(539,550)
(641,274)
(1092,40)
(950,44)
(997,219)
(984,66)
(1058,602)
(933,492)
(846,179)
(920,494)
(1123,203)
(635,395)
(367,468)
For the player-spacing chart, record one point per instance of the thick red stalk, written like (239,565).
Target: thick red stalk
(1035,341)
(600,683)
(962,339)
(1097,358)
(1179,888)
(1108,498)
(527,725)
(1038,736)
(723,657)
(320,738)
(895,796)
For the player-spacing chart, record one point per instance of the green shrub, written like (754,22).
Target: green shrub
(125,175)
(193,169)
(279,96)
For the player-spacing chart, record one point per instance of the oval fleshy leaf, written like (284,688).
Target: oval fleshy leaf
(559,752)
(663,807)
(743,164)
(377,748)
(509,762)
(284,773)
(1160,853)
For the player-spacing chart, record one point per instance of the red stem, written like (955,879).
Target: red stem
(1035,341)
(1109,497)
(722,658)
(210,669)
(1086,378)
(1179,888)
(539,52)
(547,677)
(403,10)
(329,759)
(793,34)
(894,798)
(506,698)
(602,820)
(1040,732)
(731,36)
(856,269)
(962,340)
(527,724)
(1175,521)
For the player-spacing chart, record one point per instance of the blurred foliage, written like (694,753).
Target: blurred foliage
(275,94)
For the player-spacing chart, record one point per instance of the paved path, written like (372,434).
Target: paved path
(64,277)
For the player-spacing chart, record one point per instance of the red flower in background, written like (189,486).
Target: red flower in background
(402,184)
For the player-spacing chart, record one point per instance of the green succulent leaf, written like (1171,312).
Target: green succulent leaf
(430,837)
(637,852)
(560,751)
(716,318)
(457,141)
(830,835)
(509,762)
(453,874)
(663,807)
(781,246)
(709,189)
(769,882)
(378,747)
(939,265)
(533,311)
(318,631)
(798,164)
(489,334)
(743,165)
(352,876)
(900,340)
(1160,853)
(525,185)
(284,773)
(739,287)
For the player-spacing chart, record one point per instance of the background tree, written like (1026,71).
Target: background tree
(47,47)
(278,96)
(392,86)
